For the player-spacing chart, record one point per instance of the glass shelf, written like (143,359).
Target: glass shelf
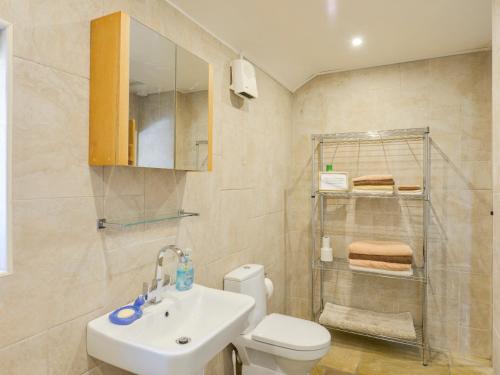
(342,265)
(125,223)
(350,194)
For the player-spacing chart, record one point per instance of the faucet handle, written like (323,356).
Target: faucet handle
(167,279)
(145,288)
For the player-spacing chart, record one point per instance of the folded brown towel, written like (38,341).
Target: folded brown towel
(373,183)
(403,259)
(392,248)
(409,187)
(380,265)
(373,177)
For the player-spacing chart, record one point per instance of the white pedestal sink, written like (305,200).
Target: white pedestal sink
(209,318)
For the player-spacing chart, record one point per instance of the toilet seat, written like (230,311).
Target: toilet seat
(278,351)
(291,333)
(288,337)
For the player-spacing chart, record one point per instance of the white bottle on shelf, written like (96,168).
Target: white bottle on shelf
(326,250)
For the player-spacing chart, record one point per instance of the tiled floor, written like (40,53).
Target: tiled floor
(352,355)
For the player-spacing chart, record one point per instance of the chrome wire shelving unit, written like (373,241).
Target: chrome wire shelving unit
(413,139)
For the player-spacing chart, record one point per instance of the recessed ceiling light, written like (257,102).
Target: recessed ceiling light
(357,41)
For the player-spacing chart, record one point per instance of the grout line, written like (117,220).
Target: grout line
(25,339)
(51,67)
(75,318)
(70,197)
(77,196)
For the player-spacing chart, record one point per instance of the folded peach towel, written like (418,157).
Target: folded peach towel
(374,187)
(409,187)
(380,248)
(380,179)
(404,259)
(379,265)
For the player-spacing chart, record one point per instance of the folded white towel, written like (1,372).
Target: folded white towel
(382,272)
(377,192)
(410,192)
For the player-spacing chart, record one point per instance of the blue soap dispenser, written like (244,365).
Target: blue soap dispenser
(185,272)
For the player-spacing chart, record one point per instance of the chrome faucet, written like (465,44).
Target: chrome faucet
(154,294)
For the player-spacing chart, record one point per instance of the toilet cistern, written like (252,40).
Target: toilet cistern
(273,344)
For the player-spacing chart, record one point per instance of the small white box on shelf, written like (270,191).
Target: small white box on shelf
(333,181)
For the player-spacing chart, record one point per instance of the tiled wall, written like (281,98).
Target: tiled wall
(452,96)
(496,182)
(65,271)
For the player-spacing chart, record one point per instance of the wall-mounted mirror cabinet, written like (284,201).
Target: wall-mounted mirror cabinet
(150,100)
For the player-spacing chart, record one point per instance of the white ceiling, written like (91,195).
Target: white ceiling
(294,40)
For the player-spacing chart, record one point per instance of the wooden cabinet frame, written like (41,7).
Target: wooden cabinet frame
(109,92)
(109,142)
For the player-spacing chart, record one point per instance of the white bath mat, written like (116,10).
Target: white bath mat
(395,325)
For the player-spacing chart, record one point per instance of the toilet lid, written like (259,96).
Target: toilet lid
(291,333)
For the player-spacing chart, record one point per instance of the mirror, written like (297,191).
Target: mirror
(192,112)
(151,98)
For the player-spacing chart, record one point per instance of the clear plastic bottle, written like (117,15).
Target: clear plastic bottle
(185,272)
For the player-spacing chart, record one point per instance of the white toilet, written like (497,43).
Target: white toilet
(274,344)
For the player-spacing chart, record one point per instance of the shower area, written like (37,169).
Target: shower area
(448,226)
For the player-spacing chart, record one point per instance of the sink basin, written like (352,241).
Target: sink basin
(210,318)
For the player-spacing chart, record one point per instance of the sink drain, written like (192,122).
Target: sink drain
(183,340)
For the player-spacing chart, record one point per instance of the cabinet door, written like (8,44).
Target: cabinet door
(193,128)
(150,100)
(109,76)
(152,96)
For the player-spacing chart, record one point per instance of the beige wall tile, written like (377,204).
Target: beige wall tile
(232,230)
(58,258)
(26,357)
(477,315)
(475,341)
(124,287)
(161,194)
(54,33)
(120,181)
(67,346)
(475,288)
(50,139)
(126,259)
